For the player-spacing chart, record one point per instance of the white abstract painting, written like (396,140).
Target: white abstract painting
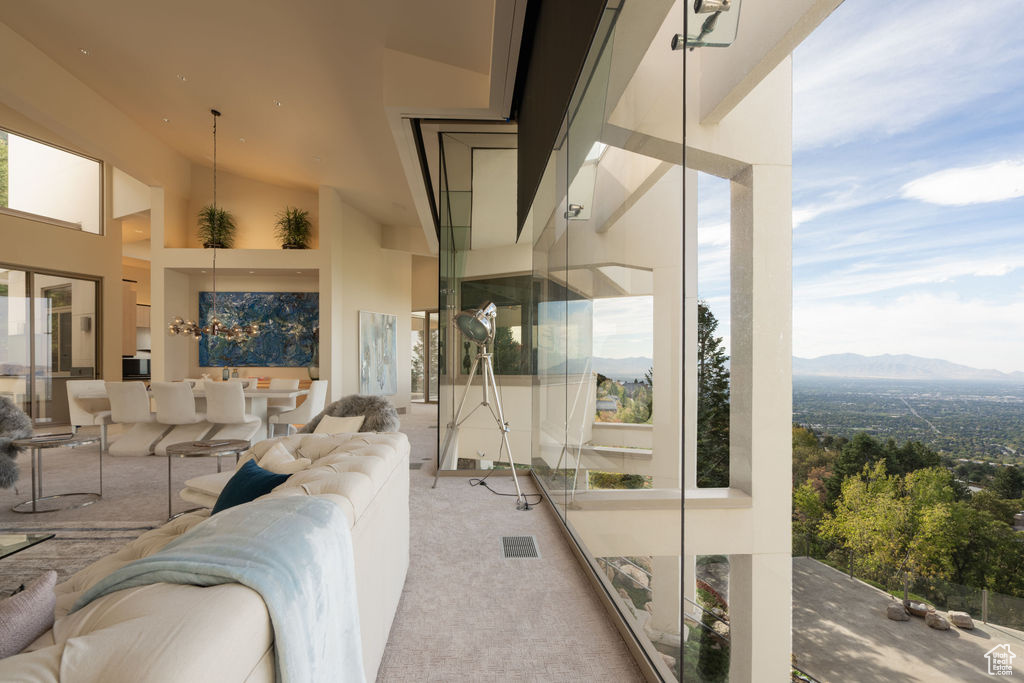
(378,353)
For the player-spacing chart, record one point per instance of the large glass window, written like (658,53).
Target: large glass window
(48,335)
(607,228)
(42,182)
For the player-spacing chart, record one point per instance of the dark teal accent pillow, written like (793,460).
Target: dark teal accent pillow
(249,483)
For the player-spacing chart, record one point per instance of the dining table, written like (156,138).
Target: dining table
(256,401)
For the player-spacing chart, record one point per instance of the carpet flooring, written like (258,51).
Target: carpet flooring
(468,614)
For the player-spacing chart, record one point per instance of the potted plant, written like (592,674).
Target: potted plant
(294,228)
(216,228)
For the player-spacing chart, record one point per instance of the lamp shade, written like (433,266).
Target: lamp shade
(478,325)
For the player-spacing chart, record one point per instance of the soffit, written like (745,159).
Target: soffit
(322,59)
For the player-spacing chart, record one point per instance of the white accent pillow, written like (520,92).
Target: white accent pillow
(339,425)
(278,460)
(27,615)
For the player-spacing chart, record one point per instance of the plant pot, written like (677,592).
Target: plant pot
(294,246)
(213,245)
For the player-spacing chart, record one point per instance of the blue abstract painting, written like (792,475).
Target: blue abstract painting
(288,323)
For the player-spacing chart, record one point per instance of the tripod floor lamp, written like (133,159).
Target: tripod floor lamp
(479,326)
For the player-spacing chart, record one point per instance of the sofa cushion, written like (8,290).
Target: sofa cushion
(277,459)
(339,425)
(249,483)
(210,484)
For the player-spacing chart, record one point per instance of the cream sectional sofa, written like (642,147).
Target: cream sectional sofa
(222,633)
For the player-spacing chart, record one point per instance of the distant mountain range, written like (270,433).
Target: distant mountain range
(888,366)
(849,365)
(622,369)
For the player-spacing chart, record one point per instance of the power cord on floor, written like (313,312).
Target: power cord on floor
(477,481)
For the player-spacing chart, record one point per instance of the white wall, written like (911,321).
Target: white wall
(378,280)
(253,204)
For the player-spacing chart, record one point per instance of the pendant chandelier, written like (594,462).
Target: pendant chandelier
(215,328)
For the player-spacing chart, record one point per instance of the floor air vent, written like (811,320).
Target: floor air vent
(519,546)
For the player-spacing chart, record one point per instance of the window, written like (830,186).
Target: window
(42,182)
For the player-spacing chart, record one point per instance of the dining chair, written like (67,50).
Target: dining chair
(225,406)
(176,407)
(86,412)
(280,405)
(310,408)
(246,382)
(129,405)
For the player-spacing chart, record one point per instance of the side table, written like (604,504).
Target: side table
(37,444)
(200,449)
(13,543)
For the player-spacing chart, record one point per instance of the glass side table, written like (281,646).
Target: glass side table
(54,502)
(200,449)
(13,543)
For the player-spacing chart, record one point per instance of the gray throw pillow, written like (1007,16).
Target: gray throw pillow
(27,615)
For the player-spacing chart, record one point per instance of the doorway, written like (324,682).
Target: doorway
(48,335)
(424,338)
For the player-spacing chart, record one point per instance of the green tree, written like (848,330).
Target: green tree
(1008,483)
(417,365)
(808,454)
(808,511)
(712,402)
(508,353)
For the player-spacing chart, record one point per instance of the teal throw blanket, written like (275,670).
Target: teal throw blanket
(296,552)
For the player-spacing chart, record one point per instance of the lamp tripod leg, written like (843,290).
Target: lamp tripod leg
(488,369)
(453,426)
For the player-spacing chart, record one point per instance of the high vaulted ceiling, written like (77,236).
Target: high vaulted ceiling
(329,63)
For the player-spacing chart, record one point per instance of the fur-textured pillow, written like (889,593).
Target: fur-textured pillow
(27,615)
(378,413)
(14,424)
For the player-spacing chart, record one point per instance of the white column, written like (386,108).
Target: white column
(761,418)
(158,313)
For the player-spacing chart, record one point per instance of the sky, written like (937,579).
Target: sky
(908,185)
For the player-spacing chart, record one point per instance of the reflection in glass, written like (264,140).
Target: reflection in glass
(607,226)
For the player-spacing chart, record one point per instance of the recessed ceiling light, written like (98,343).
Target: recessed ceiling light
(165,120)
(241,139)
(277,103)
(182,77)
(138,231)
(317,159)
(202,271)
(83,51)
(299,272)
(251,272)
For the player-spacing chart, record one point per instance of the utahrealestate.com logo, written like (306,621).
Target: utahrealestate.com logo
(1000,660)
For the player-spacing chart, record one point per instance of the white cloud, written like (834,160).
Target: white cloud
(713,235)
(874,70)
(974,332)
(624,327)
(994,182)
(863,278)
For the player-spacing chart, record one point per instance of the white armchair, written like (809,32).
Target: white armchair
(225,406)
(129,404)
(176,407)
(87,412)
(310,408)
